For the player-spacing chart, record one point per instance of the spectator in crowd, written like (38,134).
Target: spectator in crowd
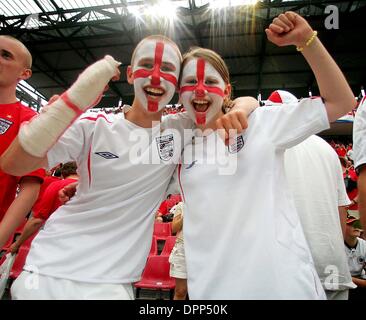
(315,180)
(277,265)
(47,205)
(350,181)
(163,210)
(177,258)
(48,179)
(15,65)
(350,151)
(356,252)
(359,154)
(341,150)
(109,222)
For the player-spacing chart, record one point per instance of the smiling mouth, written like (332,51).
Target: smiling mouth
(200,105)
(153,92)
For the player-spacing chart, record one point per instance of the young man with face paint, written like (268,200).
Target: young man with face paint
(155,79)
(243,237)
(96,245)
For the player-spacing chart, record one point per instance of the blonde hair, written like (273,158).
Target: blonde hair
(157,37)
(216,61)
(27,54)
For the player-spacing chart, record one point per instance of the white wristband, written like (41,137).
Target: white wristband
(41,133)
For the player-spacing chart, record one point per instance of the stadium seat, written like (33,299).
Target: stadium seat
(154,247)
(162,230)
(168,246)
(156,275)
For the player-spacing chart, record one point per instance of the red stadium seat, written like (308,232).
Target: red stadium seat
(19,262)
(168,246)
(162,230)
(156,275)
(154,247)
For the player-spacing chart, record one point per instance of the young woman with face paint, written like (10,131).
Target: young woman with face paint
(96,245)
(243,237)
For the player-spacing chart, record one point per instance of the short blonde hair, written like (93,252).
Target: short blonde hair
(157,37)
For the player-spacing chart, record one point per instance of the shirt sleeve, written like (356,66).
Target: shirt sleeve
(39,173)
(359,135)
(289,124)
(47,203)
(343,199)
(27,114)
(73,145)
(163,208)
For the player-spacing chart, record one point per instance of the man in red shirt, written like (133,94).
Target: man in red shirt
(15,64)
(166,205)
(48,179)
(49,203)
(162,211)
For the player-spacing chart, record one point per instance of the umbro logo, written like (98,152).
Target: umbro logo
(107,155)
(192,164)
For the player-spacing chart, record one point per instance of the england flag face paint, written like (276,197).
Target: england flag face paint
(202,91)
(155,69)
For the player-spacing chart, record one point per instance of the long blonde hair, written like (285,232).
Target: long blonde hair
(216,61)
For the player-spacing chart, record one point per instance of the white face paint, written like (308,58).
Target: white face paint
(156,70)
(202,91)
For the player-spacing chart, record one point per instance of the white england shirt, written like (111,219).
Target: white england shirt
(243,238)
(103,234)
(315,178)
(359,135)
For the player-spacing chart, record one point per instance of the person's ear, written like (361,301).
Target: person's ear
(227,90)
(26,74)
(129,75)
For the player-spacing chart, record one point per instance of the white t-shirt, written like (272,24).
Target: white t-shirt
(357,258)
(242,234)
(103,234)
(359,135)
(315,178)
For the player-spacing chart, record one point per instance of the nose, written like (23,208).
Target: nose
(155,77)
(200,92)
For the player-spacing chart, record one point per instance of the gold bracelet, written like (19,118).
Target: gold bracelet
(315,33)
